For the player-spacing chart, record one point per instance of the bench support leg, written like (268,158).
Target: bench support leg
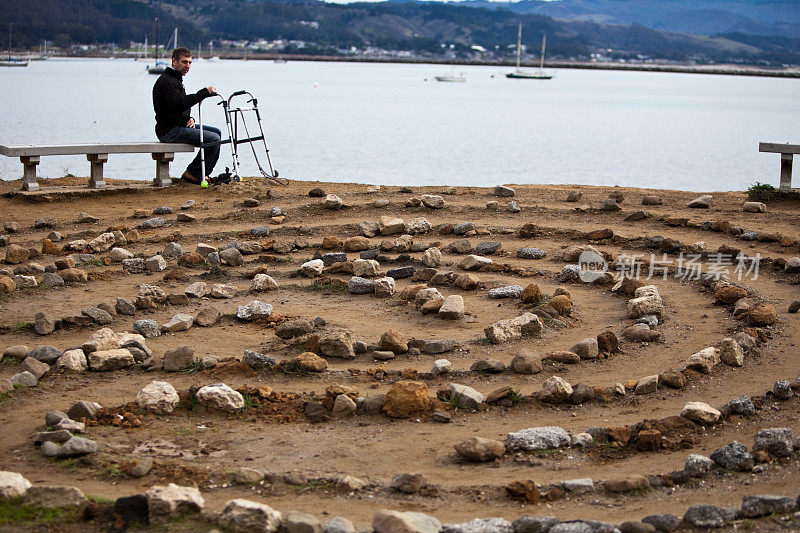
(162,169)
(786,172)
(96,177)
(29,174)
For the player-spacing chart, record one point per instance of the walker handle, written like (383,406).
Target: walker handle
(237,93)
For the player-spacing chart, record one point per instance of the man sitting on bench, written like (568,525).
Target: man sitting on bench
(173,122)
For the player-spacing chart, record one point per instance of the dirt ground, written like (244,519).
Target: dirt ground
(197,446)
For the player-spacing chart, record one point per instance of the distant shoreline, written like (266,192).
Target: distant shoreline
(723,70)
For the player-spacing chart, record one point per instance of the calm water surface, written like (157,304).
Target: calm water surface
(392,124)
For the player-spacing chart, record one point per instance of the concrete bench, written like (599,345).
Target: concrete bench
(97,155)
(787,151)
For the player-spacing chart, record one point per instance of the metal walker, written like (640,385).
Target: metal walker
(233,130)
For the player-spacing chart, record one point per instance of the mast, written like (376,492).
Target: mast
(175,37)
(541,60)
(519,42)
(155,54)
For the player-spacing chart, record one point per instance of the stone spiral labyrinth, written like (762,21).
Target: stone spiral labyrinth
(343,357)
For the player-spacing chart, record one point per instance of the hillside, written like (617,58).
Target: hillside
(427,30)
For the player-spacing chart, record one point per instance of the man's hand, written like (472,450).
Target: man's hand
(211,89)
(190,124)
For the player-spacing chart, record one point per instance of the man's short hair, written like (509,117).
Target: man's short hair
(180,52)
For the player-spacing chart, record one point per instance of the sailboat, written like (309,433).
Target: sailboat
(211,56)
(161,65)
(11,61)
(523,75)
(461,78)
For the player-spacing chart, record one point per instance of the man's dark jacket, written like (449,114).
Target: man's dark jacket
(171,102)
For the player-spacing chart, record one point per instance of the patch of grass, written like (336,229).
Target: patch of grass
(294,369)
(249,403)
(11,360)
(762,192)
(13,513)
(18,386)
(516,397)
(100,499)
(195,366)
(112,470)
(21,326)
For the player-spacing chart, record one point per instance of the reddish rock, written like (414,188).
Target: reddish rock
(49,247)
(607,342)
(761,315)
(672,379)
(620,434)
(728,294)
(531,294)
(394,342)
(648,440)
(561,303)
(600,234)
(74,275)
(563,356)
(407,398)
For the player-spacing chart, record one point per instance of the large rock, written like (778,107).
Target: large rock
(452,308)
(525,363)
(465,397)
(700,412)
(474,262)
(172,501)
(179,322)
(13,485)
(52,497)
(198,289)
(16,254)
(45,354)
(72,361)
(514,328)
(388,521)
(220,396)
(779,442)
(701,202)
(730,352)
(158,397)
(178,358)
(586,349)
(393,341)
(755,506)
(432,201)
(407,398)
(76,447)
(556,390)
(537,438)
(478,449)
(734,456)
(148,329)
(312,268)
(391,225)
(708,516)
(263,283)
(337,344)
(704,360)
(762,315)
(650,304)
(106,360)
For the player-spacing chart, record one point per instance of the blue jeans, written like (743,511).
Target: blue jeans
(191,136)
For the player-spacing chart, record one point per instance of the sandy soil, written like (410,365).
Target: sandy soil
(209,446)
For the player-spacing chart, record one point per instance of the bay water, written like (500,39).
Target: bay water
(394,124)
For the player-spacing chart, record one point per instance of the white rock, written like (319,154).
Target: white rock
(13,485)
(384,287)
(167,502)
(220,396)
(312,268)
(119,254)
(730,352)
(441,366)
(538,438)
(700,412)
(452,308)
(465,397)
(155,263)
(106,360)
(73,361)
(366,268)
(198,289)
(245,516)
(474,262)
(102,243)
(158,397)
(704,360)
(418,225)
(432,257)
(514,328)
(263,283)
(179,322)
